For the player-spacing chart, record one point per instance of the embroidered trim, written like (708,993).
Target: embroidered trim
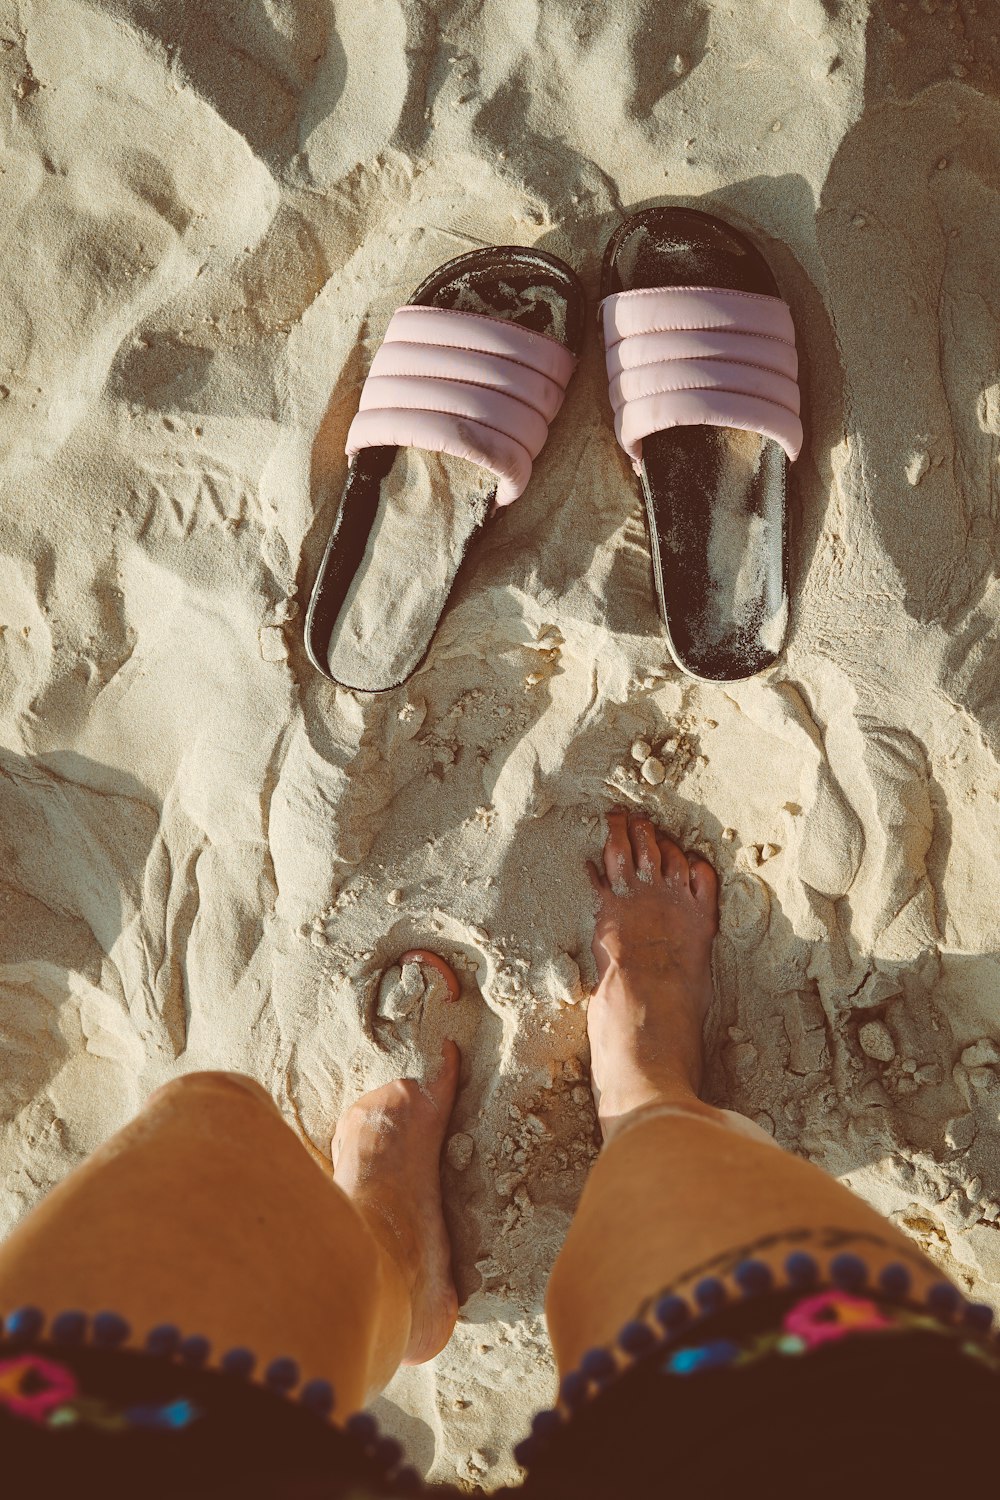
(811,1323)
(829,1278)
(47,1393)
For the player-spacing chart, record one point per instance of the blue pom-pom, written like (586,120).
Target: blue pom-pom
(710,1294)
(801,1269)
(238,1362)
(318,1396)
(387,1452)
(69,1327)
(194,1350)
(672,1312)
(894,1279)
(163,1340)
(25,1323)
(849,1272)
(282,1374)
(110,1330)
(573,1390)
(362,1425)
(978,1315)
(545,1424)
(637,1338)
(598,1364)
(753,1277)
(943,1299)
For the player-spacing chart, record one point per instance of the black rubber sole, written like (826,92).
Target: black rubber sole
(531,288)
(719,566)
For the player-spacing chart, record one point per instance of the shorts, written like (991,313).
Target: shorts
(789,1371)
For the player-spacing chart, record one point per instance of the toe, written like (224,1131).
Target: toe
(597,881)
(645,849)
(618,863)
(443,1088)
(704,883)
(673,860)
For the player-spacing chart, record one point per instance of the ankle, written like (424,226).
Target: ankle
(642,1045)
(674,1098)
(631,1084)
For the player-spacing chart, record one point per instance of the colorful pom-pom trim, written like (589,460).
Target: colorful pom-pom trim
(318,1396)
(598,1365)
(238,1362)
(943,1299)
(672,1312)
(282,1375)
(110,1330)
(363,1426)
(848,1271)
(73,1329)
(163,1340)
(194,1350)
(978,1315)
(840,1311)
(573,1389)
(69,1328)
(55,1400)
(25,1324)
(895,1280)
(802,1270)
(710,1294)
(753,1277)
(637,1338)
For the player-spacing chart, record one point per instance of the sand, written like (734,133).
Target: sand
(429,507)
(212,854)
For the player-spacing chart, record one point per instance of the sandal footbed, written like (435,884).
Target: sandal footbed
(492,280)
(685,469)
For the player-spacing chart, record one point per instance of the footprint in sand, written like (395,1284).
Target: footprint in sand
(747,908)
(415,1012)
(892,894)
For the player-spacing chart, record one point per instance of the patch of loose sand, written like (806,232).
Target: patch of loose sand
(211,854)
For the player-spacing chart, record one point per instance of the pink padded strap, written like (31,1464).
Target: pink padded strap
(682,355)
(476,387)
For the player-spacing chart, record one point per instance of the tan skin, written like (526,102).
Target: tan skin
(207,1212)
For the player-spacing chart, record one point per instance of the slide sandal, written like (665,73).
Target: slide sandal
(455,410)
(702,368)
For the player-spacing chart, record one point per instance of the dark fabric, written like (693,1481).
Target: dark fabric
(867,1415)
(242,1439)
(871,1415)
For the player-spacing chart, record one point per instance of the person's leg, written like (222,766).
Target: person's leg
(206,1212)
(678,1182)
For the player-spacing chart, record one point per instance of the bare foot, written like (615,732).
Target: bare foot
(657,914)
(387,1159)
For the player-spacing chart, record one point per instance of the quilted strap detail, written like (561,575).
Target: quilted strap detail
(682,355)
(476,387)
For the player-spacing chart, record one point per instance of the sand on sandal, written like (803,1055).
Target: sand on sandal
(429,507)
(212,854)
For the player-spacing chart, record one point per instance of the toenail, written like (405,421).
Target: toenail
(437,963)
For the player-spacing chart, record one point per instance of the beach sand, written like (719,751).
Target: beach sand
(212,855)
